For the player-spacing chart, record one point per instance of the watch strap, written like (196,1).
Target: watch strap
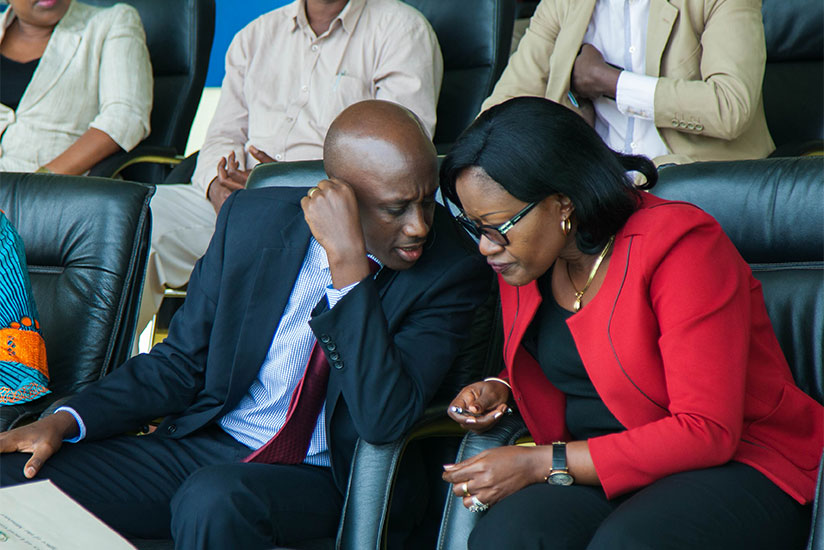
(559,459)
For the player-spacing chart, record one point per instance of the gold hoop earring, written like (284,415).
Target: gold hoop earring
(566,226)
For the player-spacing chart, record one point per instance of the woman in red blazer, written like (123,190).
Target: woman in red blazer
(638,351)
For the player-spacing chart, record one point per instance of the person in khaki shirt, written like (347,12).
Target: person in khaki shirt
(289,73)
(677,81)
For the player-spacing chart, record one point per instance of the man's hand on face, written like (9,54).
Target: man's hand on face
(231,178)
(331,210)
(42,439)
(592,77)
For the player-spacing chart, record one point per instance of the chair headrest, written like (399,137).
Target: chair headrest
(772,209)
(793,29)
(302,173)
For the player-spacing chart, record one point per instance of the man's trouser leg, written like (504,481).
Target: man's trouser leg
(128,481)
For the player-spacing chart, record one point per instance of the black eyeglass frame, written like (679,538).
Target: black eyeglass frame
(492,232)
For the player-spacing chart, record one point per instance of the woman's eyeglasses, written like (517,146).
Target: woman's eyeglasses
(496,234)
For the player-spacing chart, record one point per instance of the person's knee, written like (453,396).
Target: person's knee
(206,495)
(520,521)
(622,532)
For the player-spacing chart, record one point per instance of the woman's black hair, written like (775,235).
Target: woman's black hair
(535,148)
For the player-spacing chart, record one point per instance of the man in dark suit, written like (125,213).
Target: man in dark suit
(287,268)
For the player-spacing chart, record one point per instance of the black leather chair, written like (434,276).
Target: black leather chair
(179,37)
(773,211)
(87,242)
(794,75)
(475,41)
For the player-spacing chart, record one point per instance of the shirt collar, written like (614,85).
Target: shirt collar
(349,15)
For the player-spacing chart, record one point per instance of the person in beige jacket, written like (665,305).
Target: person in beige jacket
(677,80)
(76,85)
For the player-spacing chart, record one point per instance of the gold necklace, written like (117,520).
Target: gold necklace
(579,294)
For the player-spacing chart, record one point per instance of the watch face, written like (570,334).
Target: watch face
(560,478)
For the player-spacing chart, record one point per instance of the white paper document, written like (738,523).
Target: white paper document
(39,516)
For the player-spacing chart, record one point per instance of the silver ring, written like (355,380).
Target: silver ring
(477,505)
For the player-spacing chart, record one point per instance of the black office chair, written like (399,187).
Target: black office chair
(86,241)
(179,37)
(475,41)
(773,211)
(794,75)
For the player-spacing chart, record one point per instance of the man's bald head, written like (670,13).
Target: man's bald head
(383,153)
(378,137)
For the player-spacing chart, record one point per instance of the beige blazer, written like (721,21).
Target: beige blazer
(94,73)
(709,57)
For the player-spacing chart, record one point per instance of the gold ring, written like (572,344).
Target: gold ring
(309,194)
(465,488)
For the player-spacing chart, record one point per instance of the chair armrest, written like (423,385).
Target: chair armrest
(365,515)
(816,541)
(811,148)
(12,416)
(113,165)
(457,522)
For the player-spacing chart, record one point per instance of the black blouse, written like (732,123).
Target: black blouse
(550,342)
(15,78)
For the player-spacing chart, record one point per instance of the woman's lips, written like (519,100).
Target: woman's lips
(410,253)
(45,4)
(499,268)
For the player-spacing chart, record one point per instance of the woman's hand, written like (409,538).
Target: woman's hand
(494,474)
(479,406)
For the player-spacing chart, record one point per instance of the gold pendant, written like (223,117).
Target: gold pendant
(576,307)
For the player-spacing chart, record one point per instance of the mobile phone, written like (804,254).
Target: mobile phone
(465,412)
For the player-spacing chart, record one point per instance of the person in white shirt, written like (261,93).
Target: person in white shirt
(676,83)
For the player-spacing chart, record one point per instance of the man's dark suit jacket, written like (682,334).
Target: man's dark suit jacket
(395,335)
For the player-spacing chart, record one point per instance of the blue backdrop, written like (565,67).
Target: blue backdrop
(230,17)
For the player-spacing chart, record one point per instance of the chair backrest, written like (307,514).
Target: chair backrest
(301,173)
(773,211)
(179,36)
(475,39)
(86,242)
(794,75)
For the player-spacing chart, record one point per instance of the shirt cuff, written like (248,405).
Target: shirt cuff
(635,95)
(80,424)
(334,295)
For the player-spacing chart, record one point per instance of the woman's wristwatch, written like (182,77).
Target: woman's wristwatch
(559,475)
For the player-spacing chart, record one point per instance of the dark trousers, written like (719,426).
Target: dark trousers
(193,489)
(728,507)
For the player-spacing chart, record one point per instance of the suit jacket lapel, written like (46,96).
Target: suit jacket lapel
(277,271)
(662,15)
(59,53)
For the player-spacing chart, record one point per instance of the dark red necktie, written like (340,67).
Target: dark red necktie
(290,444)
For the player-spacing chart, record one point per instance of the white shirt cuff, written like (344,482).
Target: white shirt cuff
(80,425)
(334,295)
(635,95)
